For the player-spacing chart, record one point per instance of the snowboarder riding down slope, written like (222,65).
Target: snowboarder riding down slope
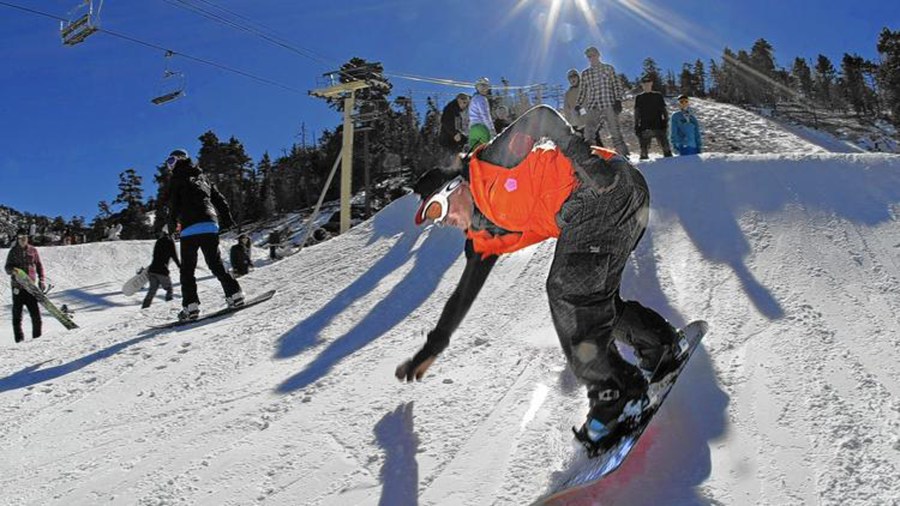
(536,181)
(196,203)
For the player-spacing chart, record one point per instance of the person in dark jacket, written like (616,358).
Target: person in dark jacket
(452,138)
(651,119)
(197,205)
(539,180)
(25,256)
(240,256)
(158,271)
(274,244)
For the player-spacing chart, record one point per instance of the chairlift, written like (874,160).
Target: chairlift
(172,85)
(82,22)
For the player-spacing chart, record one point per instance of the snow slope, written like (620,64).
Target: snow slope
(791,257)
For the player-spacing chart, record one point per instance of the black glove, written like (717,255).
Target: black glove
(416,367)
(617,106)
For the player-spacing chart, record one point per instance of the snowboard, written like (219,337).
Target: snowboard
(22,279)
(216,314)
(585,471)
(136,282)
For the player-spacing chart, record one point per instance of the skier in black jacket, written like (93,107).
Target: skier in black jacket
(651,119)
(196,203)
(158,272)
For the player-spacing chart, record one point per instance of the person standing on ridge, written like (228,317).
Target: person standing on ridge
(600,93)
(573,112)
(481,126)
(452,137)
(685,129)
(536,181)
(651,119)
(25,256)
(158,271)
(196,203)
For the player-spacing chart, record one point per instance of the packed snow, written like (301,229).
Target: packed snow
(792,255)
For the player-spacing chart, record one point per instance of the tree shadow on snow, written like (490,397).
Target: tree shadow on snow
(400,471)
(432,256)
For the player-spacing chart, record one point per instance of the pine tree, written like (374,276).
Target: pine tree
(801,77)
(671,86)
(430,130)
(266,186)
(761,81)
(651,70)
(161,202)
(889,70)
(715,78)
(824,81)
(132,218)
(686,81)
(699,78)
(853,84)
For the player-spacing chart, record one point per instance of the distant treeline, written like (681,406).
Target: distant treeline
(391,140)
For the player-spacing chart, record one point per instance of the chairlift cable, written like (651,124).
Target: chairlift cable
(161,48)
(311,54)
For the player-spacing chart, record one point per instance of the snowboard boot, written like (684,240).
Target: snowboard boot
(613,412)
(670,358)
(235,300)
(190,312)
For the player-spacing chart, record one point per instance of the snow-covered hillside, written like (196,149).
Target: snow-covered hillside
(793,258)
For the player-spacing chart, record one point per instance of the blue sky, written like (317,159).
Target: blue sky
(73,118)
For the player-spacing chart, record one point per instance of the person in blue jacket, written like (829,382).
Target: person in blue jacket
(684,129)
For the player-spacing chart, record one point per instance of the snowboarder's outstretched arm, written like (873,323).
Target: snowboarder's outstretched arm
(473,278)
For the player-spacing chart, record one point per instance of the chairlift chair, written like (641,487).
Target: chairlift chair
(83,21)
(172,85)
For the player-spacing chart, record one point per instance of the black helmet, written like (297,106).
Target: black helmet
(21,231)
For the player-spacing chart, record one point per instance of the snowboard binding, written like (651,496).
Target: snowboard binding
(597,437)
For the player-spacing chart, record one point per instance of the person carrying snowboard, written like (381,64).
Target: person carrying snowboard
(240,256)
(196,203)
(25,256)
(158,271)
(537,181)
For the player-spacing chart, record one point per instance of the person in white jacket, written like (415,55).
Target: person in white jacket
(481,126)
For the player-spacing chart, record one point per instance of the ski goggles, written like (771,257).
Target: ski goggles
(438,205)
(172,160)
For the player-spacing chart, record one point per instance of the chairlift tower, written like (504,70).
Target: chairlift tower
(348,91)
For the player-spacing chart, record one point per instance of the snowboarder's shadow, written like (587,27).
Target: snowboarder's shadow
(33,375)
(432,257)
(400,471)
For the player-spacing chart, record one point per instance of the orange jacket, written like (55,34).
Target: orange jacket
(523,199)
